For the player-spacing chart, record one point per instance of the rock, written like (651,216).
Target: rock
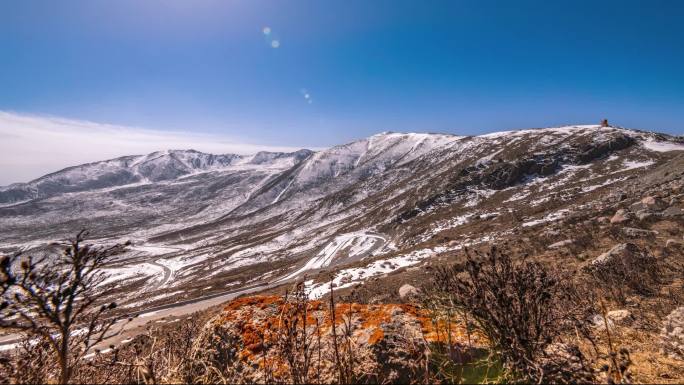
(603,219)
(649,201)
(551,233)
(620,251)
(672,334)
(636,233)
(621,196)
(407,290)
(565,364)
(390,341)
(638,206)
(620,317)
(599,323)
(561,244)
(619,217)
(626,265)
(673,243)
(643,215)
(673,212)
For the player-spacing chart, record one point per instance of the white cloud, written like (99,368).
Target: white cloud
(32,146)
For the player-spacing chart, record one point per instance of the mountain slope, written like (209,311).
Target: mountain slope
(155,167)
(273,217)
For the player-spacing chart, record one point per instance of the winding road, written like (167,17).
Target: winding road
(182,308)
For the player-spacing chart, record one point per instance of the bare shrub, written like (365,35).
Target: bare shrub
(343,346)
(57,300)
(29,363)
(297,339)
(520,307)
(632,271)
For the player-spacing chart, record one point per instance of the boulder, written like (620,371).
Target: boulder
(653,203)
(627,265)
(619,217)
(672,334)
(406,291)
(673,212)
(638,206)
(565,364)
(603,220)
(599,323)
(648,201)
(672,243)
(643,215)
(621,317)
(389,342)
(619,252)
(560,244)
(637,233)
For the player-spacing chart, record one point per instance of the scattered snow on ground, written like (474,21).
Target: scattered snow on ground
(629,165)
(518,196)
(353,276)
(132,271)
(602,184)
(565,130)
(662,146)
(177,263)
(149,313)
(478,195)
(155,249)
(9,346)
(549,218)
(282,192)
(325,257)
(489,215)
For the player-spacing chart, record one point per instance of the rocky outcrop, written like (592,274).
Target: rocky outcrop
(673,212)
(560,244)
(620,253)
(501,174)
(625,265)
(620,216)
(595,150)
(672,334)
(637,233)
(262,338)
(407,291)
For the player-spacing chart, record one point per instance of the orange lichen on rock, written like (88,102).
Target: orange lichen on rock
(268,332)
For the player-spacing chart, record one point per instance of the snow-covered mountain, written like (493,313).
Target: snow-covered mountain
(253,218)
(155,167)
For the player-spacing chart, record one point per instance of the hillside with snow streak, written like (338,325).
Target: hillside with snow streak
(203,223)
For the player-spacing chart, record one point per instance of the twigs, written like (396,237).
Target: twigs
(58,299)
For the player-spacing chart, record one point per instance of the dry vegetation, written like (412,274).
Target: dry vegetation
(493,314)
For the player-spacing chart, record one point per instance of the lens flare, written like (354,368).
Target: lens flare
(267,30)
(275,43)
(307,96)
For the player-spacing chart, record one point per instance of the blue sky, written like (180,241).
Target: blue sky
(463,67)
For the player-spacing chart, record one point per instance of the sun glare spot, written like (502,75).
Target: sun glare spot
(275,43)
(307,96)
(267,30)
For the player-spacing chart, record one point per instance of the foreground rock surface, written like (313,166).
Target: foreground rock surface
(672,334)
(262,338)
